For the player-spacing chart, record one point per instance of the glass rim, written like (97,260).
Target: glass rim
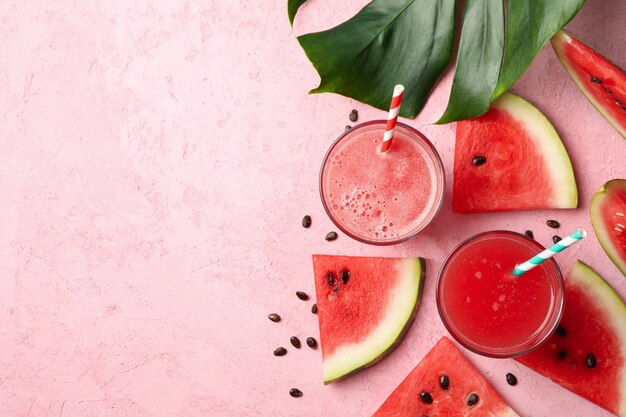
(544,332)
(438,168)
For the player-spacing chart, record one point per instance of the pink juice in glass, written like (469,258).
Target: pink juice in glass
(376,198)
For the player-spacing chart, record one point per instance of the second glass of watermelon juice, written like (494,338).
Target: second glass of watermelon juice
(490,311)
(381,199)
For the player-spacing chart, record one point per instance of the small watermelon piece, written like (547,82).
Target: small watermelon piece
(511,158)
(365,305)
(587,353)
(464,380)
(600,80)
(608,217)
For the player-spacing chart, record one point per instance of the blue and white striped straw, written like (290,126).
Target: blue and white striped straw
(550,252)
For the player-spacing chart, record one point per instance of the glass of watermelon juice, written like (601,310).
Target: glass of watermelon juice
(381,199)
(490,311)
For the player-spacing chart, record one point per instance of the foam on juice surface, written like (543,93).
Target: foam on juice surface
(380,196)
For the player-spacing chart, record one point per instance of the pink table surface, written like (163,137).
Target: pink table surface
(157,158)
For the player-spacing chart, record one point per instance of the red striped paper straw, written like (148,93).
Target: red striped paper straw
(392,118)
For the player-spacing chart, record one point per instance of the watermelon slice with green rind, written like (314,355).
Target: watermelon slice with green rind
(511,158)
(587,354)
(600,80)
(608,217)
(365,305)
(464,380)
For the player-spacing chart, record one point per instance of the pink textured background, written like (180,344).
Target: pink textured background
(139,258)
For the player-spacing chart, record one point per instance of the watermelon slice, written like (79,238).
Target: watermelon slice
(608,216)
(365,306)
(600,80)
(463,381)
(587,353)
(511,158)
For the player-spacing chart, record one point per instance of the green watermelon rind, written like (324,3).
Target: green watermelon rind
(556,158)
(347,360)
(601,228)
(559,41)
(608,301)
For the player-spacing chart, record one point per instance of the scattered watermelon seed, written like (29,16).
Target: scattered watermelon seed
(302,295)
(345,276)
(331,279)
(426,397)
(314,309)
(624,108)
(595,80)
(560,331)
(529,233)
(311,342)
(479,160)
(295,392)
(607,90)
(306,221)
(295,342)
(472,399)
(561,355)
(553,224)
(330,236)
(444,381)
(348,127)
(618,102)
(511,379)
(354,115)
(281,351)
(274,317)
(556,239)
(591,360)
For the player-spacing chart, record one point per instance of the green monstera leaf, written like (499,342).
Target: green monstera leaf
(409,42)
(388,42)
(292,8)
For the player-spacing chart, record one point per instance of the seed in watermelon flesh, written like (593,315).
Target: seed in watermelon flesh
(608,217)
(595,319)
(592,73)
(591,360)
(345,276)
(560,331)
(444,381)
(331,279)
(367,318)
(468,383)
(426,397)
(520,143)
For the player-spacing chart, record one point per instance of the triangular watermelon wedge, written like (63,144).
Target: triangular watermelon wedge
(608,217)
(365,305)
(464,380)
(511,158)
(587,353)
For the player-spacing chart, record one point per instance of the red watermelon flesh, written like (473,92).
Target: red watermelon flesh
(365,305)
(587,353)
(608,216)
(464,380)
(524,163)
(600,80)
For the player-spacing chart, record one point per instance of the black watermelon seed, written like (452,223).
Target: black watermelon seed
(553,224)
(302,295)
(444,381)
(618,102)
(354,115)
(591,360)
(348,127)
(472,399)
(624,108)
(529,233)
(306,221)
(345,276)
(312,343)
(295,392)
(479,160)
(330,236)
(426,397)
(295,342)
(595,80)
(556,239)
(331,279)
(281,351)
(511,379)
(607,90)
(274,317)
(314,309)
(560,331)
(561,355)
